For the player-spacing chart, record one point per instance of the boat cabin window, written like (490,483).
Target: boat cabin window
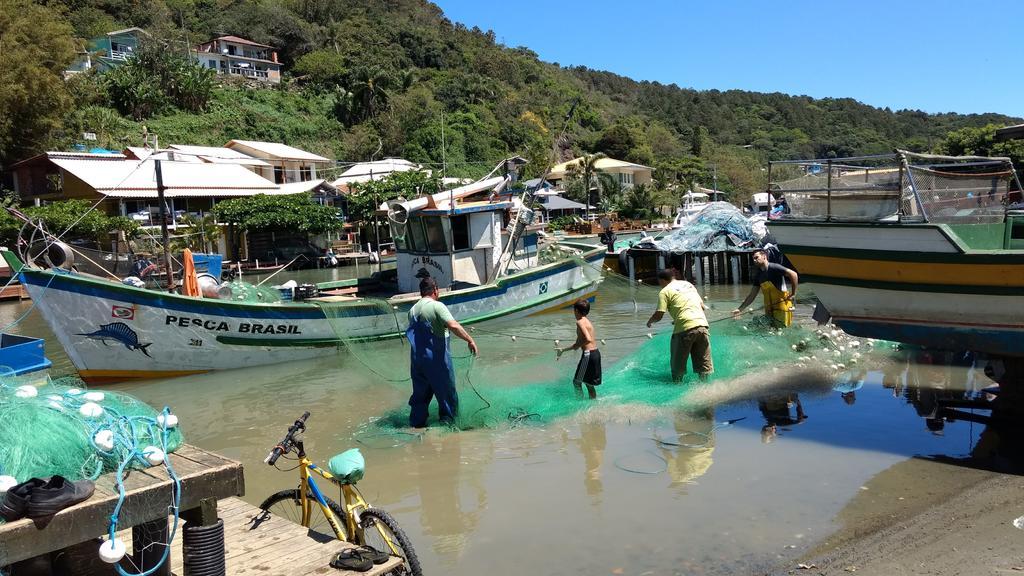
(414,235)
(435,235)
(460,232)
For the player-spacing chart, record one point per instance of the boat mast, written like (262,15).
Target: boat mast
(516,228)
(163,224)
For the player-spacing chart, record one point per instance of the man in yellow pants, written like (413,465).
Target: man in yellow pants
(777,285)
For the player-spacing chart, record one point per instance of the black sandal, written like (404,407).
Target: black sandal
(352,559)
(374,555)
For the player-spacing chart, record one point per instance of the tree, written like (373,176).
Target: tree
(69,219)
(293,212)
(37,46)
(320,70)
(155,77)
(370,91)
(981,142)
(616,141)
(584,171)
(366,197)
(638,203)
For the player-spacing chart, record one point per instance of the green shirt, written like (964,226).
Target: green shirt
(682,302)
(432,311)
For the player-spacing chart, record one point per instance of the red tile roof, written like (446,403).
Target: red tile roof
(239,40)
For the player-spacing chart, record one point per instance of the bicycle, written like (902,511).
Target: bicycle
(357,522)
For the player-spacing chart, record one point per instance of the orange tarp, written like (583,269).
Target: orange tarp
(190,279)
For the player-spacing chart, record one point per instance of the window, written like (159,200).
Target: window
(435,235)
(212,64)
(414,235)
(305,173)
(278,175)
(460,232)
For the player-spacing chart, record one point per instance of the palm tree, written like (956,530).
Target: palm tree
(585,169)
(370,90)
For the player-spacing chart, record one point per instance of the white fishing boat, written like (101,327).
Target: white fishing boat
(915,248)
(114,332)
(693,203)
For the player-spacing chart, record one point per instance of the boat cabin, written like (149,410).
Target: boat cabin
(457,238)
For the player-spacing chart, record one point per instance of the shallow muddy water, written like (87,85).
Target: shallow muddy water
(588,489)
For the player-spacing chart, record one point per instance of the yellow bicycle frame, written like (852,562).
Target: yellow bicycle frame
(351,497)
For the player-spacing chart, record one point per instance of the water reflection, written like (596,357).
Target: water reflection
(777,410)
(445,483)
(690,457)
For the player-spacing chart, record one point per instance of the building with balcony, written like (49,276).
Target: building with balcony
(109,51)
(235,56)
(627,173)
(284,164)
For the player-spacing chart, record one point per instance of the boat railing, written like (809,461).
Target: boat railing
(902,187)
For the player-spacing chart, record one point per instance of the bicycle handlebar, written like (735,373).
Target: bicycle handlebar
(286,443)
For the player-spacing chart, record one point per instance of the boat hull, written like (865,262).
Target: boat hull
(915,283)
(113,332)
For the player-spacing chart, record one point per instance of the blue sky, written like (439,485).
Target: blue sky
(936,56)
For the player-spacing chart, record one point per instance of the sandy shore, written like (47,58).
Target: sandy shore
(922,517)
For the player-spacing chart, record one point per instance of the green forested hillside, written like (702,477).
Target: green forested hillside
(379,78)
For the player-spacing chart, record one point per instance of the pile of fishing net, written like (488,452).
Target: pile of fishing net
(246,292)
(717,228)
(77,433)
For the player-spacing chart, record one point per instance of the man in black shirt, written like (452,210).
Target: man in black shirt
(778,286)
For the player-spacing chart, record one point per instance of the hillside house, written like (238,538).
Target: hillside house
(627,173)
(108,51)
(235,56)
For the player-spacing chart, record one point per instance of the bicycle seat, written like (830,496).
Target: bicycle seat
(347,467)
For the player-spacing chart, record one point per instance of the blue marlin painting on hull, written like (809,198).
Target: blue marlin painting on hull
(119,332)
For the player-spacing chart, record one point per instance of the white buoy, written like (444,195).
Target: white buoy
(650,335)
(112,551)
(26,391)
(7,482)
(91,410)
(104,440)
(153,455)
(603,342)
(841,366)
(73,391)
(556,342)
(95,396)
(171,420)
(513,338)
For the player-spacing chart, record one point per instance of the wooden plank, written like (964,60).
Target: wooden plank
(147,498)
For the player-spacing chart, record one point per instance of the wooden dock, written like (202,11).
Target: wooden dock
(274,546)
(271,547)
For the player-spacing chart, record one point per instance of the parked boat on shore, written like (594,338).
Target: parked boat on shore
(113,331)
(908,247)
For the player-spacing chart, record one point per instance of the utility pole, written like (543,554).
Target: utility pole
(163,224)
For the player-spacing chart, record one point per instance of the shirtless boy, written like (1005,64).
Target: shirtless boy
(588,371)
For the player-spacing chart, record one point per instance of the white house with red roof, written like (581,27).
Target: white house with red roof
(236,56)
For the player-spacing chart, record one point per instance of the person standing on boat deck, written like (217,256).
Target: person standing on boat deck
(690,337)
(778,287)
(588,371)
(430,356)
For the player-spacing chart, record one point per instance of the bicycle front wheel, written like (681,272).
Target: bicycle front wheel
(287,504)
(382,532)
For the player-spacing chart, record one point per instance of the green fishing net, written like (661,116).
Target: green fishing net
(246,292)
(60,427)
(518,381)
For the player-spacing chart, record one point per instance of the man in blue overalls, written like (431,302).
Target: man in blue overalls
(430,357)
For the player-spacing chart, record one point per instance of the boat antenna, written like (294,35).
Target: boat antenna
(517,224)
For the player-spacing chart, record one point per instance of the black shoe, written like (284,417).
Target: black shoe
(374,555)
(57,494)
(15,503)
(352,559)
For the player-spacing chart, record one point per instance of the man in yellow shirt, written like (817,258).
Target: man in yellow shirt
(690,338)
